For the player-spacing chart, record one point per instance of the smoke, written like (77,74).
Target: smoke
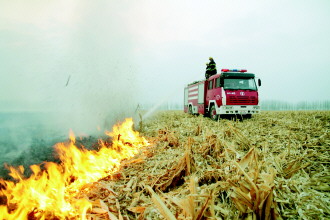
(78,74)
(92,81)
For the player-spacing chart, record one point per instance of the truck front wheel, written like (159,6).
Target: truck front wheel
(248,116)
(213,114)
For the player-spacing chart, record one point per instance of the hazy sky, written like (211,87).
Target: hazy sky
(114,54)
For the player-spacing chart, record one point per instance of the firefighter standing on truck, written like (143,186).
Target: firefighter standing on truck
(211,68)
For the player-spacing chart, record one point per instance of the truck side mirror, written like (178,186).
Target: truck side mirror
(259,82)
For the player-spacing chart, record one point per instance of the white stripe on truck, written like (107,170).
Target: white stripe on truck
(193,88)
(192,97)
(193,93)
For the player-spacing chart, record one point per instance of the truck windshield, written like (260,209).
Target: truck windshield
(235,84)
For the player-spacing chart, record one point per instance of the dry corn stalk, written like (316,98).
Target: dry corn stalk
(176,173)
(193,206)
(212,146)
(160,205)
(168,136)
(252,190)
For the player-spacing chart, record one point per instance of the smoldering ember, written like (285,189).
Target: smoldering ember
(180,166)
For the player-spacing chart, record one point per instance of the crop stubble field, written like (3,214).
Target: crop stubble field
(275,165)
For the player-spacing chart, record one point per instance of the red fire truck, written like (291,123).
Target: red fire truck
(232,92)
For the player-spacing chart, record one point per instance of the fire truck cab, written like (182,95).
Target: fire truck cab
(232,92)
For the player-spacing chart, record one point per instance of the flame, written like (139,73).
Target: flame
(52,191)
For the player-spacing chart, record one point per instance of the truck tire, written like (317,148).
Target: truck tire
(248,116)
(190,110)
(213,114)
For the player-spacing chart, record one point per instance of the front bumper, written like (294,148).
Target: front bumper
(238,109)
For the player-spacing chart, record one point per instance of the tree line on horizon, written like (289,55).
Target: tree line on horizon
(267,105)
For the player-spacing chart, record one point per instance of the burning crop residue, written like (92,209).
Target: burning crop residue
(53,190)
